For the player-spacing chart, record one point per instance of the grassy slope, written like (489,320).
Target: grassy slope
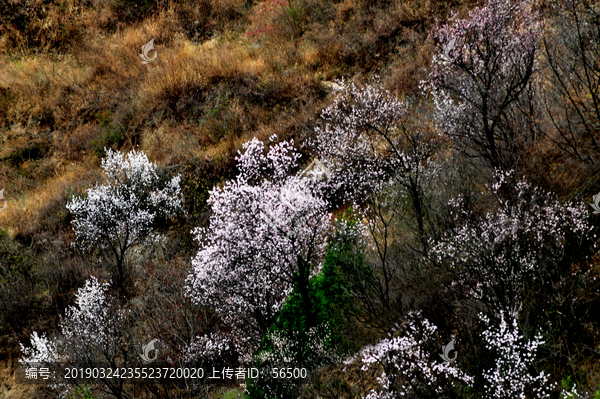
(71,82)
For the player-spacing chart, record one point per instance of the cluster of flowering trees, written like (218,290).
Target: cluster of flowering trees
(114,217)
(271,227)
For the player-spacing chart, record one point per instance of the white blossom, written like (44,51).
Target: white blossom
(353,141)
(119,214)
(514,356)
(92,322)
(513,244)
(43,350)
(407,365)
(481,79)
(211,347)
(90,334)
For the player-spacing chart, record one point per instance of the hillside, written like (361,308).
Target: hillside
(460,143)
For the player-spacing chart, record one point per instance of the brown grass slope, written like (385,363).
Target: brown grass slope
(71,80)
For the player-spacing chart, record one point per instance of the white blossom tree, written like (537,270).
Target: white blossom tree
(482,80)
(410,369)
(513,375)
(267,234)
(42,350)
(93,333)
(120,214)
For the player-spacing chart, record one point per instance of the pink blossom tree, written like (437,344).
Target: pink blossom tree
(359,139)
(267,234)
(482,80)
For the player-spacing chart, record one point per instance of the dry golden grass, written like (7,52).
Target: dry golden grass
(25,212)
(194,66)
(37,84)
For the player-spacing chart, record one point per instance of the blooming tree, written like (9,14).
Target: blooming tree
(512,377)
(382,156)
(364,140)
(92,333)
(354,140)
(408,366)
(43,350)
(516,243)
(482,79)
(206,347)
(119,214)
(267,234)
(369,140)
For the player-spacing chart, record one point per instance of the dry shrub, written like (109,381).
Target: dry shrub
(46,25)
(173,144)
(184,73)
(73,146)
(350,38)
(204,19)
(286,20)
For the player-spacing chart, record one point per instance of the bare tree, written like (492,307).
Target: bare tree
(572,79)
